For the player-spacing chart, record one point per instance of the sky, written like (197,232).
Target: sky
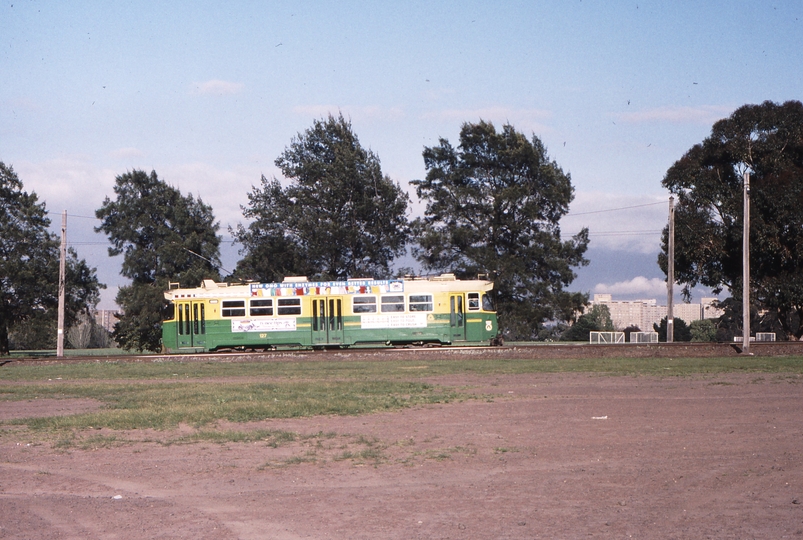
(209,94)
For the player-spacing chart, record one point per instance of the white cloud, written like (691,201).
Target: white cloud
(223,189)
(618,222)
(217,87)
(71,183)
(706,115)
(638,286)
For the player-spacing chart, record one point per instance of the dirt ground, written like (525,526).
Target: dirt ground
(537,456)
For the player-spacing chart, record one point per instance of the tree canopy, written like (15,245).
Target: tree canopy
(767,141)
(339,216)
(598,319)
(493,206)
(680,330)
(164,237)
(29,270)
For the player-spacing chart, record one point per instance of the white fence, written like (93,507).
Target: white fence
(643,337)
(760,336)
(606,337)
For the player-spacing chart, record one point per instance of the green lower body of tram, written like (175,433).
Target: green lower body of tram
(327,332)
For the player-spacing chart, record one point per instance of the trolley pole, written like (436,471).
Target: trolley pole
(746,268)
(62,271)
(670,275)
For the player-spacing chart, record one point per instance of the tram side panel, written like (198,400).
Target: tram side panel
(394,318)
(235,323)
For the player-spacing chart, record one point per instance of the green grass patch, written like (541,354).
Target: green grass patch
(51,353)
(163,395)
(164,405)
(399,369)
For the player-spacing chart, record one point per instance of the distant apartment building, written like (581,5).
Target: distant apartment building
(106,318)
(645,313)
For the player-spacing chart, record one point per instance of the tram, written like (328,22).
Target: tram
(297,313)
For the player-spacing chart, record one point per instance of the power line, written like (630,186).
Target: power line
(613,209)
(623,233)
(618,233)
(73,215)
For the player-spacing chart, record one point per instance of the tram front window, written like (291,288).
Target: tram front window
(168,311)
(487,303)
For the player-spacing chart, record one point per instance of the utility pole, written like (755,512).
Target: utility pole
(62,271)
(746,268)
(670,275)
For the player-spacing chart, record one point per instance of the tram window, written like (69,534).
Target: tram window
(420,302)
(487,303)
(187,319)
(203,318)
(180,320)
(261,307)
(364,304)
(289,306)
(392,304)
(233,308)
(168,311)
(196,323)
(473,301)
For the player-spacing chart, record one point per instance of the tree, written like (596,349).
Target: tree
(494,206)
(163,237)
(629,330)
(703,330)
(680,330)
(29,270)
(767,141)
(598,319)
(730,323)
(340,216)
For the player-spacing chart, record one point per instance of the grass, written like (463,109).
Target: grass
(394,370)
(163,405)
(48,353)
(163,395)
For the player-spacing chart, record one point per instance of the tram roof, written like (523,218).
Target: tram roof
(439,283)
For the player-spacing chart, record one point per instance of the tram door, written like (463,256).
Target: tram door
(327,321)
(457,317)
(191,325)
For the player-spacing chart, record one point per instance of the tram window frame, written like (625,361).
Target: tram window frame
(232,308)
(187,319)
(363,304)
(487,302)
(421,302)
(288,306)
(392,303)
(261,307)
(473,301)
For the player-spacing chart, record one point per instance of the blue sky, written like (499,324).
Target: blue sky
(208,94)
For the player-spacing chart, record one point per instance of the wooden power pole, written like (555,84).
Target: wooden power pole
(746,268)
(670,275)
(62,272)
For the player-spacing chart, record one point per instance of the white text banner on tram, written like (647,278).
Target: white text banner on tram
(402,320)
(317,288)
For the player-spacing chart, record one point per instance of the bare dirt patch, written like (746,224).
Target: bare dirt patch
(534,456)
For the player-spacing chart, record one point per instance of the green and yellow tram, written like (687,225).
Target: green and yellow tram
(439,310)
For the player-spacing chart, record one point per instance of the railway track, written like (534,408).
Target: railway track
(514,351)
